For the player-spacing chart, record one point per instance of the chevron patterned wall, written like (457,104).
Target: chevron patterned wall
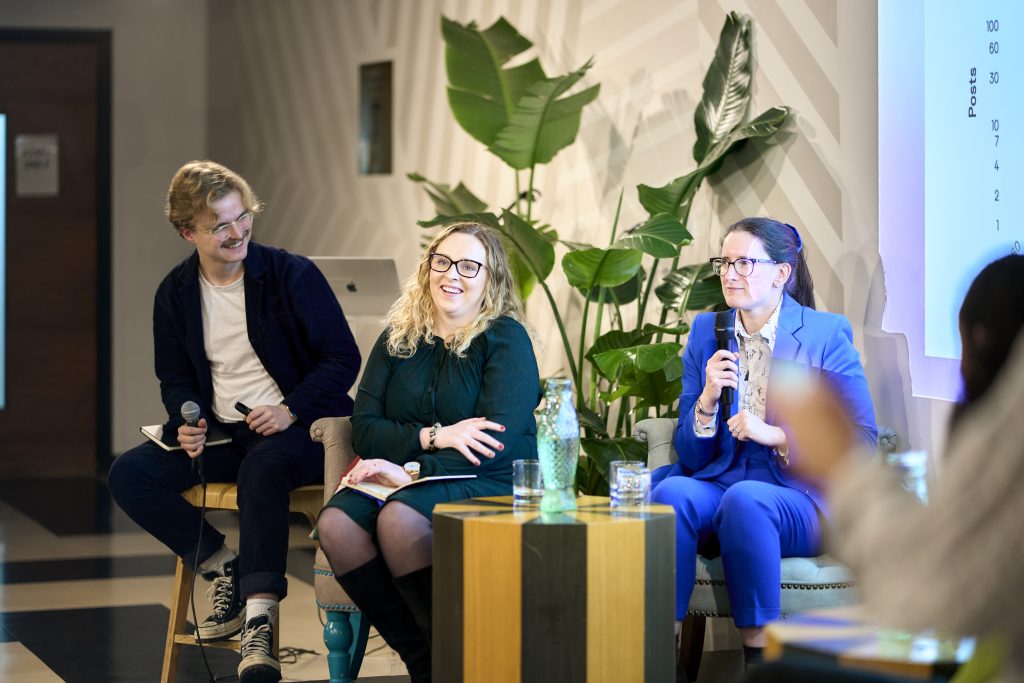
(283,110)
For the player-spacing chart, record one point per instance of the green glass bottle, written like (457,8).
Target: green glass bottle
(558,446)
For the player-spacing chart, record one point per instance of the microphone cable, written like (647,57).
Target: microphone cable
(195,571)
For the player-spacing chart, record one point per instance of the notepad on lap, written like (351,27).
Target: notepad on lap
(215,436)
(382,491)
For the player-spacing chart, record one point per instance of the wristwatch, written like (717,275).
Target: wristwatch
(412,469)
(700,411)
(295,418)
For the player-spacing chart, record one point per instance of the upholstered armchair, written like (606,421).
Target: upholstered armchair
(807,582)
(346,630)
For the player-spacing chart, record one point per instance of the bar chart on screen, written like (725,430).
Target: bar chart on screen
(950,157)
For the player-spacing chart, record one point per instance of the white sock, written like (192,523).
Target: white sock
(216,562)
(254,607)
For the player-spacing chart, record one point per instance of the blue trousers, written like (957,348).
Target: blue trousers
(147,482)
(756,522)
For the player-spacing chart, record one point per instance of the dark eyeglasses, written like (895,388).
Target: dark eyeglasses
(465,267)
(742,266)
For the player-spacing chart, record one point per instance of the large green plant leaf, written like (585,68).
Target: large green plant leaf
(488,219)
(591,421)
(589,268)
(542,124)
(481,92)
(661,236)
(765,125)
(674,198)
(528,244)
(694,285)
(648,389)
(642,358)
(726,86)
(617,339)
(603,451)
(654,390)
(625,293)
(448,201)
(680,329)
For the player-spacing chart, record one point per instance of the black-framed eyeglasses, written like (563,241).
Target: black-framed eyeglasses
(465,267)
(220,231)
(742,266)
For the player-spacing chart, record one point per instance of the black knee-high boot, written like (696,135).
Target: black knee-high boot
(416,588)
(373,590)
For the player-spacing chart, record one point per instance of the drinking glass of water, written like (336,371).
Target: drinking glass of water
(527,483)
(632,484)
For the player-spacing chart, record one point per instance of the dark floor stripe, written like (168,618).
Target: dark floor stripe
(109,645)
(67,506)
(82,568)
(300,566)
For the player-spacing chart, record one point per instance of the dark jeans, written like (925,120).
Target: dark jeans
(147,482)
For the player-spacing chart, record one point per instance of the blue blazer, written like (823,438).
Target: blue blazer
(295,326)
(818,342)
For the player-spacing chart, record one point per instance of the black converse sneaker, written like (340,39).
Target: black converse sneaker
(228,607)
(258,665)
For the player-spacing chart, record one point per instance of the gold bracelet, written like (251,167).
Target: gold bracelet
(433,435)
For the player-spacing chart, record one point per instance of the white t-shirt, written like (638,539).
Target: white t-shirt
(237,373)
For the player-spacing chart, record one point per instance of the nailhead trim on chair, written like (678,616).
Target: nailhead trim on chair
(336,607)
(786,586)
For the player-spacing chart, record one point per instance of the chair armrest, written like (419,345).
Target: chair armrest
(335,433)
(657,433)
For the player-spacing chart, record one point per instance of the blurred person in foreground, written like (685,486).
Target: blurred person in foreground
(957,563)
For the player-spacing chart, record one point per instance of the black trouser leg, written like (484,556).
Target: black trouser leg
(272,467)
(147,482)
(373,590)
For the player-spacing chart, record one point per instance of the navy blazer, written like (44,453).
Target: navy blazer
(295,325)
(814,340)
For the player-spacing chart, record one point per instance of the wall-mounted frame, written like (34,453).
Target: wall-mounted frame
(375,116)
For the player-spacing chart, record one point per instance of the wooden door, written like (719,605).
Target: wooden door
(56,416)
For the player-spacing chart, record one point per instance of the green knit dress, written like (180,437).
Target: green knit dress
(497,379)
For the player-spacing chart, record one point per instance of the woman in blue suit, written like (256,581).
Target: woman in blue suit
(731,488)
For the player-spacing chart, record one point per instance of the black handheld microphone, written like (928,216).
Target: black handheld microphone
(190,414)
(725,335)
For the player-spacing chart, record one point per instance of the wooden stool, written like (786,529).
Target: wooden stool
(308,500)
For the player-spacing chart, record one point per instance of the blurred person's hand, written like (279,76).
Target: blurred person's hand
(819,427)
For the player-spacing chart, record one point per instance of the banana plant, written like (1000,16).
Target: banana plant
(525,117)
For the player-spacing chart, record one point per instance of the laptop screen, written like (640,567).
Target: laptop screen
(365,286)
